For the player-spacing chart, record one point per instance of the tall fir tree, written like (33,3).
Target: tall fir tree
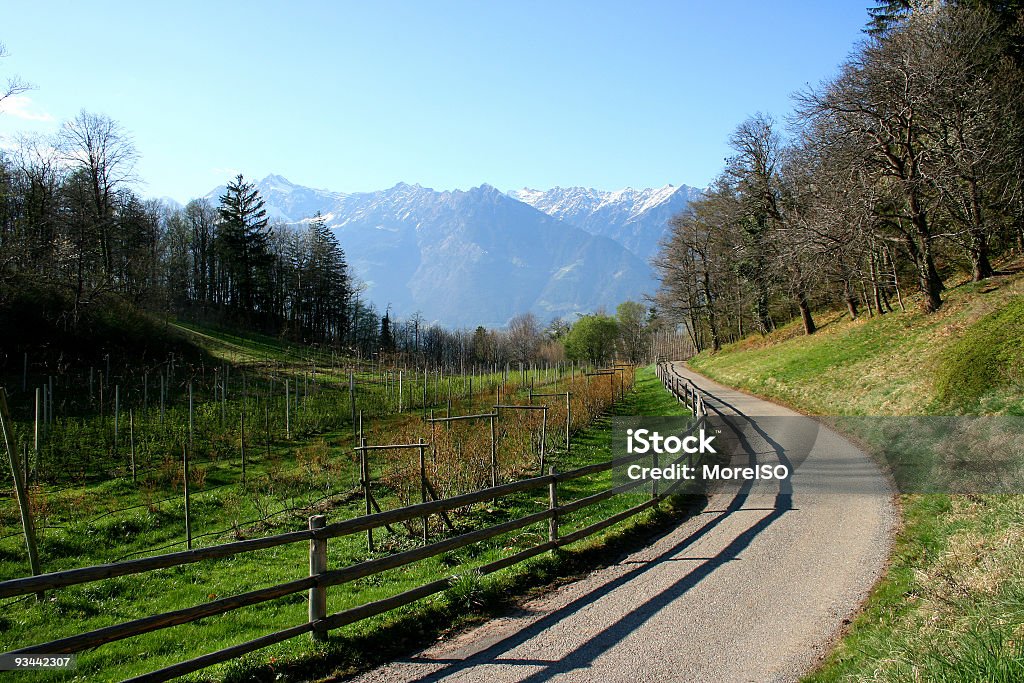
(243,244)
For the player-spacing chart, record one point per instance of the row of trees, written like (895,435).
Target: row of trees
(597,339)
(904,168)
(71,226)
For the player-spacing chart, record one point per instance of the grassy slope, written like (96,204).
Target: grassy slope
(951,607)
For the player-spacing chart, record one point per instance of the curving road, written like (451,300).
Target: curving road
(754,588)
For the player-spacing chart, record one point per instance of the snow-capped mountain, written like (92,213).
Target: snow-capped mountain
(291,203)
(465,258)
(636,219)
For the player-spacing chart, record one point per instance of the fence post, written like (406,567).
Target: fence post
(317,566)
(552,505)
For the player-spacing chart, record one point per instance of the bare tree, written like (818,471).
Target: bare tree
(14,85)
(524,337)
(876,104)
(102,150)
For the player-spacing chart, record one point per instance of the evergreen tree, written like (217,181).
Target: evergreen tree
(243,245)
(387,337)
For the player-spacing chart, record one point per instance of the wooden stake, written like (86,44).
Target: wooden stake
(364,475)
(188,510)
(423,488)
(131,440)
(494,455)
(241,440)
(7,427)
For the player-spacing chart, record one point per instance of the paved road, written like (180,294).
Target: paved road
(755,588)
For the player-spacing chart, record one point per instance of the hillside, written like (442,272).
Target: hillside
(949,607)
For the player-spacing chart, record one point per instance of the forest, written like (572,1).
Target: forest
(901,171)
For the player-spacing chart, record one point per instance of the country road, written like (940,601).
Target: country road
(754,588)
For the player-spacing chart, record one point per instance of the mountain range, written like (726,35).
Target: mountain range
(480,256)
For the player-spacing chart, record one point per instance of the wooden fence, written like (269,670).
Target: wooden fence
(321,576)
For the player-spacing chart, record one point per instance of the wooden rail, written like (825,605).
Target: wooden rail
(682,388)
(321,577)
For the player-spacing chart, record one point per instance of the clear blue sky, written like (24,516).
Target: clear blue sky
(356,96)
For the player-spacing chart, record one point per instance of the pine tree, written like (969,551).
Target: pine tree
(243,246)
(886,14)
(326,283)
(387,338)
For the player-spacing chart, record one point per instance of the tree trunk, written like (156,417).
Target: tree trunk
(850,299)
(928,277)
(981,266)
(805,314)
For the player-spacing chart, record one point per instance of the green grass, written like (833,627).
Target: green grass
(951,605)
(79,608)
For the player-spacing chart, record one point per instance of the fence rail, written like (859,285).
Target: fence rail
(321,577)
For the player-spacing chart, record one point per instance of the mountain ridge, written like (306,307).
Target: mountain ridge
(478,256)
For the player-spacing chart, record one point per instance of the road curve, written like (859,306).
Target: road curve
(754,588)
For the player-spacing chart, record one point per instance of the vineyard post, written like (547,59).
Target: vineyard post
(364,475)
(190,420)
(543,436)
(425,377)
(241,440)
(28,527)
(352,397)
(568,422)
(117,415)
(131,441)
(39,400)
(423,487)
(552,505)
(188,511)
(494,454)
(287,413)
(317,566)
(401,393)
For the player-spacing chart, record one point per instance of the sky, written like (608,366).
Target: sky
(358,96)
